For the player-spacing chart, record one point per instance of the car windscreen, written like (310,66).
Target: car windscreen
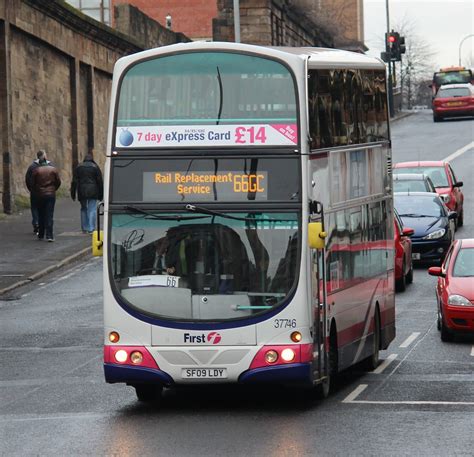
(453,92)
(419,206)
(464,265)
(410,186)
(436,174)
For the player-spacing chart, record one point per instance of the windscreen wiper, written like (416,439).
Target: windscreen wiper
(414,215)
(147,215)
(210,212)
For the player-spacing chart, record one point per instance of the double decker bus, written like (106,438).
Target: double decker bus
(451,75)
(248,219)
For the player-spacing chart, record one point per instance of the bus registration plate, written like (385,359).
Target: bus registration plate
(204,373)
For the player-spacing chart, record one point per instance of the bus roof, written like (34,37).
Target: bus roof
(316,57)
(330,58)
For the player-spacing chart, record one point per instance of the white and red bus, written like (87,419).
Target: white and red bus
(248,221)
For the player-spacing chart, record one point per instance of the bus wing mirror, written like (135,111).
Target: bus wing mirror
(316,235)
(97,243)
(98,235)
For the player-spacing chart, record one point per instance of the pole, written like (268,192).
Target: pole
(460,44)
(237,21)
(390,82)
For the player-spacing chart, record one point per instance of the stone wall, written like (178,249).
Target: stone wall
(269,23)
(56,69)
(147,32)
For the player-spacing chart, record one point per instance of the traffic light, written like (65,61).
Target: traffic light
(394,46)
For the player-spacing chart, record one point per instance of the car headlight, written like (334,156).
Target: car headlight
(458,300)
(435,235)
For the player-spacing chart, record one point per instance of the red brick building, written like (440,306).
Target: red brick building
(191,17)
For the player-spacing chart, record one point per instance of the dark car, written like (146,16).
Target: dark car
(453,100)
(442,175)
(412,182)
(432,222)
(455,290)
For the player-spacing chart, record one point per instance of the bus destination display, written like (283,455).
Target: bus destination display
(204,186)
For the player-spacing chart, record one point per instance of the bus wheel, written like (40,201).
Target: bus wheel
(372,361)
(148,393)
(324,388)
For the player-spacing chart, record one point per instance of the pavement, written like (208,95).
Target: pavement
(24,259)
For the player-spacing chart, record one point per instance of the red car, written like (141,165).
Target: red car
(445,181)
(455,290)
(403,257)
(453,100)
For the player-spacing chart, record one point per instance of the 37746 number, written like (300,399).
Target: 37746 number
(284,323)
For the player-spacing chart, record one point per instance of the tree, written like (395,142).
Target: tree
(417,62)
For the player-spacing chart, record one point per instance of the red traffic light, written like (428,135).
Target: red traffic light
(392,38)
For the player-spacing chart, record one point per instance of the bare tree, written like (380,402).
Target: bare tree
(417,63)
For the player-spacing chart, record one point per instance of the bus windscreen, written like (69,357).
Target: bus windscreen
(207,99)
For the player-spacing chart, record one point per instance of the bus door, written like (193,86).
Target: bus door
(318,292)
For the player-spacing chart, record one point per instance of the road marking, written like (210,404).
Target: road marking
(472,351)
(410,339)
(414,402)
(459,152)
(351,398)
(355,393)
(385,363)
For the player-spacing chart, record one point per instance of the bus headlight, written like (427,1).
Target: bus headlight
(114,337)
(136,357)
(296,337)
(271,356)
(288,354)
(121,356)
(435,235)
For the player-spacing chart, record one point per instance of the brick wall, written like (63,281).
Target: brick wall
(191,17)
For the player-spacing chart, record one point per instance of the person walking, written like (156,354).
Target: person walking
(88,184)
(29,185)
(45,182)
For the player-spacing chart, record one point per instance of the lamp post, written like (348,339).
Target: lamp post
(460,44)
(237,21)
(391,108)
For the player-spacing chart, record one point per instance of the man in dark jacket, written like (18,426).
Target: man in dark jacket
(33,204)
(87,181)
(45,182)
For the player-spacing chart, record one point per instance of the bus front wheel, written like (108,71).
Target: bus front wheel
(148,393)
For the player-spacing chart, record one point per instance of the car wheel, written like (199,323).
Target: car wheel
(446,334)
(460,219)
(437,118)
(148,393)
(409,275)
(401,284)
